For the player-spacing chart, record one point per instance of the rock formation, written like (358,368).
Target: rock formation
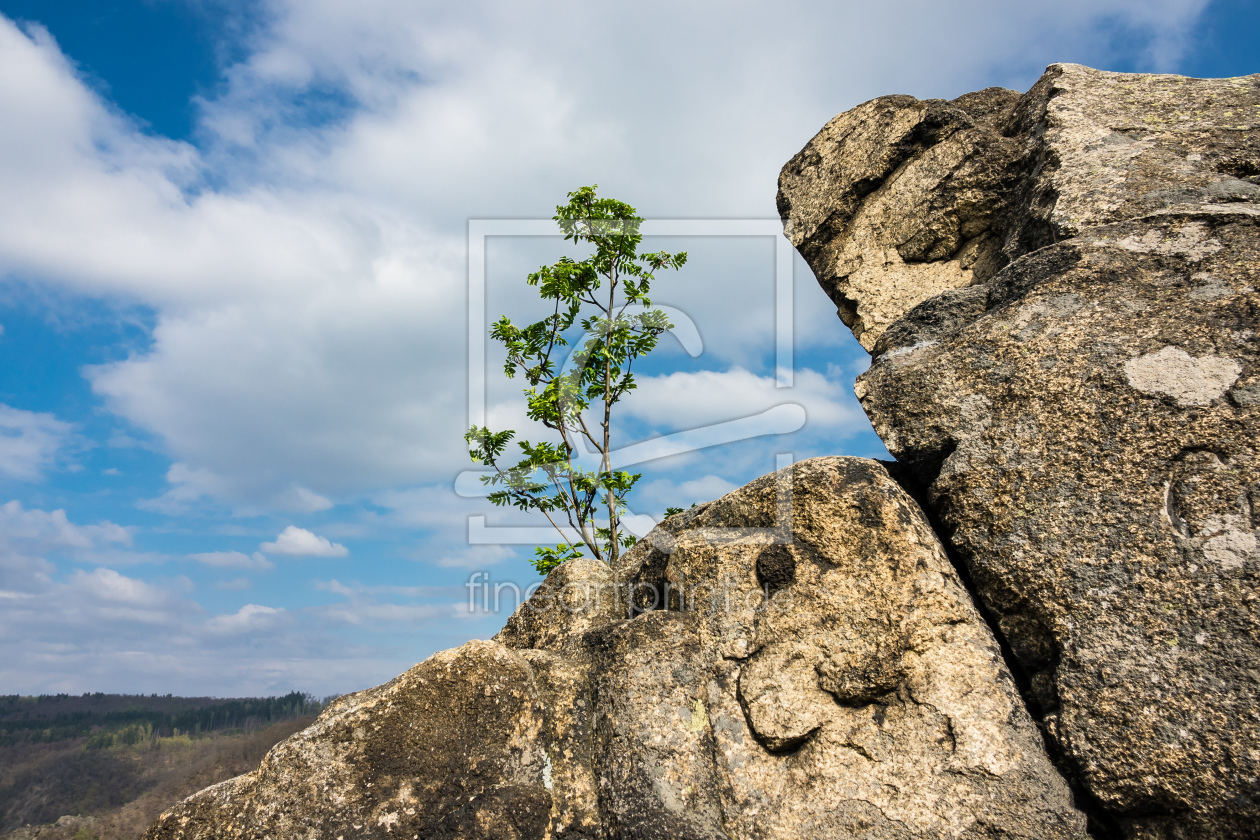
(1059,291)
(803,662)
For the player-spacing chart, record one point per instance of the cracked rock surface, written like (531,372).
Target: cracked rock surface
(1059,291)
(802,662)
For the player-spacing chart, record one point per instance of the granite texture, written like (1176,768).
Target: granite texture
(1079,412)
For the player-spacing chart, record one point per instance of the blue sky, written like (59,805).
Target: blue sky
(233,289)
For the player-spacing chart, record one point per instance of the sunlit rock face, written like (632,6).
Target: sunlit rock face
(1059,291)
(797,659)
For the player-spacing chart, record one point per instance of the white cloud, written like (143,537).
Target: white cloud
(233,560)
(687,400)
(108,586)
(122,603)
(109,532)
(474,557)
(21,574)
(39,530)
(250,618)
(43,528)
(662,493)
(28,442)
(301,542)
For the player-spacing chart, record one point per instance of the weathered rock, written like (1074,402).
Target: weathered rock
(899,200)
(803,663)
(892,202)
(1080,410)
(450,749)
(865,697)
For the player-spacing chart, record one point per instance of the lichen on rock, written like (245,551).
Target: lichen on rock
(1080,417)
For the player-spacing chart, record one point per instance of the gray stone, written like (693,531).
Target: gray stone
(899,200)
(1078,409)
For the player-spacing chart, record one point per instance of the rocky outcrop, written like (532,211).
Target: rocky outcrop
(1059,291)
(795,660)
(451,748)
(900,200)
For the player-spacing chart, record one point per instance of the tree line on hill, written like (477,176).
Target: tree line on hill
(113,793)
(111,719)
(121,759)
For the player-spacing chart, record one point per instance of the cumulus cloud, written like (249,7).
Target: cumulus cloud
(300,542)
(29,441)
(233,560)
(308,276)
(108,586)
(250,618)
(126,605)
(43,528)
(31,532)
(690,399)
(40,530)
(662,493)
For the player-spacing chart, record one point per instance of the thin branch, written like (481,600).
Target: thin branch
(606,460)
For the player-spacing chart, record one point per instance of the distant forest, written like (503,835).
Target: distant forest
(118,760)
(111,719)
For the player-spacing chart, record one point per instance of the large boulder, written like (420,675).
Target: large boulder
(849,687)
(795,660)
(1059,291)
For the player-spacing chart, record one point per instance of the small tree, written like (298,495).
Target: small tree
(572,481)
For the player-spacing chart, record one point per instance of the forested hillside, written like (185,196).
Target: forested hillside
(109,718)
(119,760)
